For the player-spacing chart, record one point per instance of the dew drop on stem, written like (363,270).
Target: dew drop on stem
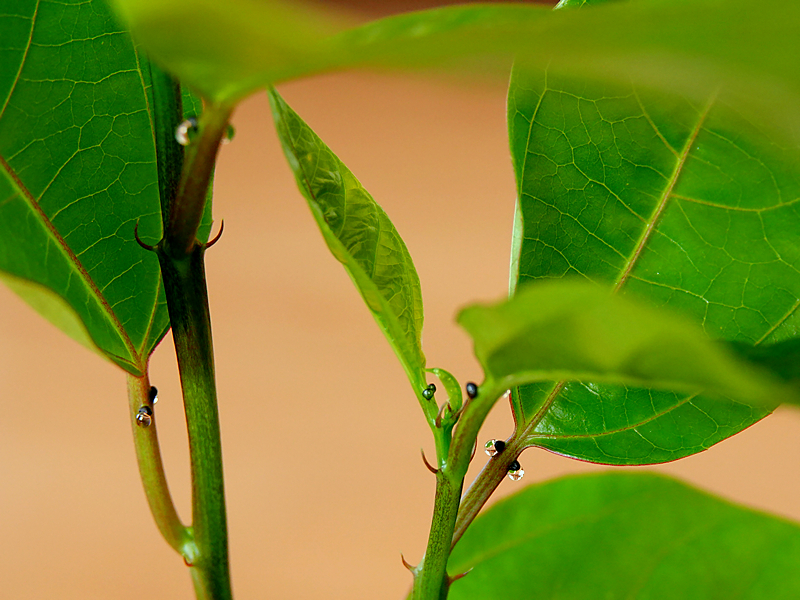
(472,390)
(144,417)
(515,471)
(184,133)
(494,447)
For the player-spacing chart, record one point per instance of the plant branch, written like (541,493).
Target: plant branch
(151,470)
(180,255)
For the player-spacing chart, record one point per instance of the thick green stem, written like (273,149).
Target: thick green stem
(187,299)
(180,255)
(151,469)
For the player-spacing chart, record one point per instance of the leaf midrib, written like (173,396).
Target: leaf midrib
(74,261)
(21,62)
(633,259)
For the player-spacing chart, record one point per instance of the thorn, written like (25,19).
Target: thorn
(460,575)
(219,235)
(474,448)
(405,564)
(139,240)
(440,414)
(431,468)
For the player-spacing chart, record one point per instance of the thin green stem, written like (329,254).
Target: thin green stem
(431,581)
(151,470)
(186,210)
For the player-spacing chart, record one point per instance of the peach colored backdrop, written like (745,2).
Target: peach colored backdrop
(321,434)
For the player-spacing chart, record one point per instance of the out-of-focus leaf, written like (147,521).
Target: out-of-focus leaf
(360,236)
(577,331)
(227,50)
(625,535)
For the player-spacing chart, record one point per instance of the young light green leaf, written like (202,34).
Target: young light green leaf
(577,331)
(625,535)
(360,236)
(228,50)
(681,202)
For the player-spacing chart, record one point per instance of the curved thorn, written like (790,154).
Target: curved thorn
(440,414)
(431,468)
(219,235)
(139,240)
(460,575)
(405,563)
(474,449)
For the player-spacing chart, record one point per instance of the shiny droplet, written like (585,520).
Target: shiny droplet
(229,133)
(490,449)
(153,394)
(472,390)
(185,131)
(494,447)
(427,393)
(144,417)
(515,471)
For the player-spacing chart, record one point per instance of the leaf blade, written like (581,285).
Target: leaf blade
(625,535)
(360,236)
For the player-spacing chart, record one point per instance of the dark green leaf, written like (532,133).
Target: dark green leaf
(360,236)
(623,535)
(576,331)
(78,170)
(227,50)
(683,203)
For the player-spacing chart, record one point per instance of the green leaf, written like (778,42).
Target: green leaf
(683,203)
(78,169)
(360,236)
(228,50)
(625,535)
(577,331)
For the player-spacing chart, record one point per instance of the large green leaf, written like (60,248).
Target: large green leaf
(227,50)
(78,170)
(623,535)
(360,236)
(577,331)
(681,202)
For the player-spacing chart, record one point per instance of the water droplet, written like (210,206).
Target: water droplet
(427,393)
(494,447)
(144,417)
(153,394)
(515,471)
(185,131)
(229,133)
(472,390)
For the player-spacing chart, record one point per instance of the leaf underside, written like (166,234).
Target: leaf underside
(683,203)
(77,172)
(625,535)
(360,235)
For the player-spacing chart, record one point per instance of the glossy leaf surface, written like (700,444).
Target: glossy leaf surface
(625,535)
(360,236)
(577,331)
(683,203)
(227,50)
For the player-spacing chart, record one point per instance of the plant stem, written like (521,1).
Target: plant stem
(180,255)
(151,470)
(431,582)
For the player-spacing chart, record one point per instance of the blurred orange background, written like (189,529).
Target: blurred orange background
(321,434)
